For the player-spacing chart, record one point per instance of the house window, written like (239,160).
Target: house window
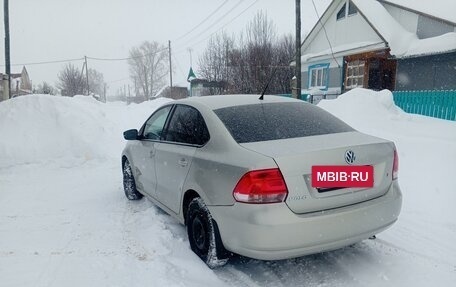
(355,74)
(341,13)
(318,76)
(352,10)
(344,12)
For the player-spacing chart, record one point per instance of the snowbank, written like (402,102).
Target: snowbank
(39,128)
(72,225)
(426,146)
(364,103)
(375,113)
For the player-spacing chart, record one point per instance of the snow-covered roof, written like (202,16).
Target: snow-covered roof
(397,37)
(435,45)
(442,9)
(401,42)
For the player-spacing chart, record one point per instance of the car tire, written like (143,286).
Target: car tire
(129,183)
(204,236)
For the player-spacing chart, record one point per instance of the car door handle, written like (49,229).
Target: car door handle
(152,153)
(183,162)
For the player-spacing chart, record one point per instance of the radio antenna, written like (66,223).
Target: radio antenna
(267,84)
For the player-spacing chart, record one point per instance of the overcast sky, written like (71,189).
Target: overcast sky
(50,30)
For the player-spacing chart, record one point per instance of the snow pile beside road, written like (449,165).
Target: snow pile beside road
(427,167)
(68,223)
(38,128)
(365,104)
(375,113)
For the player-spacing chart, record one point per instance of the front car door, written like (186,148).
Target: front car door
(185,132)
(144,156)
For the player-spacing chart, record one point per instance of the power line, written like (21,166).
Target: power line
(219,19)
(83,58)
(326,34)
(47,62)
(203,21)
(179,66)
(226,24)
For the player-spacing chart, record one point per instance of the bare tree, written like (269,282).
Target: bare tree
(284,54)
(148,68)
(96,82)
(45,88)
(214,64)
(70,81)
(249,63)
(259,51)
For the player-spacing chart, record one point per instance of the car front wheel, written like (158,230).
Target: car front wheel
(129,182)
(204,236)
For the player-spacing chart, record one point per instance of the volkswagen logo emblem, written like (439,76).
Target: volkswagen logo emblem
(350,156)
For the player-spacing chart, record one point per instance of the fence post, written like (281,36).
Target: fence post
(433,104)
(453,105)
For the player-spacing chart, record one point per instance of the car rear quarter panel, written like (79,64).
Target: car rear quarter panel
(214,174)
(217,167)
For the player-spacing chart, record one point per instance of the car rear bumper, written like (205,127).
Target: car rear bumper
(273,231)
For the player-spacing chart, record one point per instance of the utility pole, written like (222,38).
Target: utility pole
(298,49)
(7,86)
(87,74)
(170,66)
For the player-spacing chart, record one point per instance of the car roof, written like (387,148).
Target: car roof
(224,101)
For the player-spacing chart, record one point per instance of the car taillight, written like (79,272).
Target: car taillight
(395,165)
(261,186)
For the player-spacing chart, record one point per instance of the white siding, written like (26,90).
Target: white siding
(351,29)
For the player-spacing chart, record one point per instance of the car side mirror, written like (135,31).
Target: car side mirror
(131,134)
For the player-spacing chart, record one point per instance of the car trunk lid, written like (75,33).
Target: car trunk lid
(296,156)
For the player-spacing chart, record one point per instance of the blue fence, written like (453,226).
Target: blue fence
(437,104)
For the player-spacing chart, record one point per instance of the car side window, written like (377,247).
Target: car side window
(153,128)
(187,126)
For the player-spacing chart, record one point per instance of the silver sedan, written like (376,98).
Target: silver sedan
(270,178)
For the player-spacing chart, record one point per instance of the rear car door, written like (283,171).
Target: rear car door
(144,155)
(185,132)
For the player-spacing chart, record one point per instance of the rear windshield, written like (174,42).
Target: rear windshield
(273,121)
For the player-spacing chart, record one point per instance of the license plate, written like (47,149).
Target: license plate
(324,176)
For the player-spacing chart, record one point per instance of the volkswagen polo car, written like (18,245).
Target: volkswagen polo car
(269,178)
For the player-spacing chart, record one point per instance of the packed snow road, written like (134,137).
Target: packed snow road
(64,220)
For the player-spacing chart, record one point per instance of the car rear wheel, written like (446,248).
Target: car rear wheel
(204,236)
(129,182)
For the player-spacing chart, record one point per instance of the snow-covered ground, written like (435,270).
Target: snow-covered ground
(64,220)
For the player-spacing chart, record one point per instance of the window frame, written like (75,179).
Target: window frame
(344,8)
(320,69)
(168,121)
(355,65)
(141,131)
(351,4)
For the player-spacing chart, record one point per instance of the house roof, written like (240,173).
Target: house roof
(16,75)
(401,42)
(441,9)
(13,75)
